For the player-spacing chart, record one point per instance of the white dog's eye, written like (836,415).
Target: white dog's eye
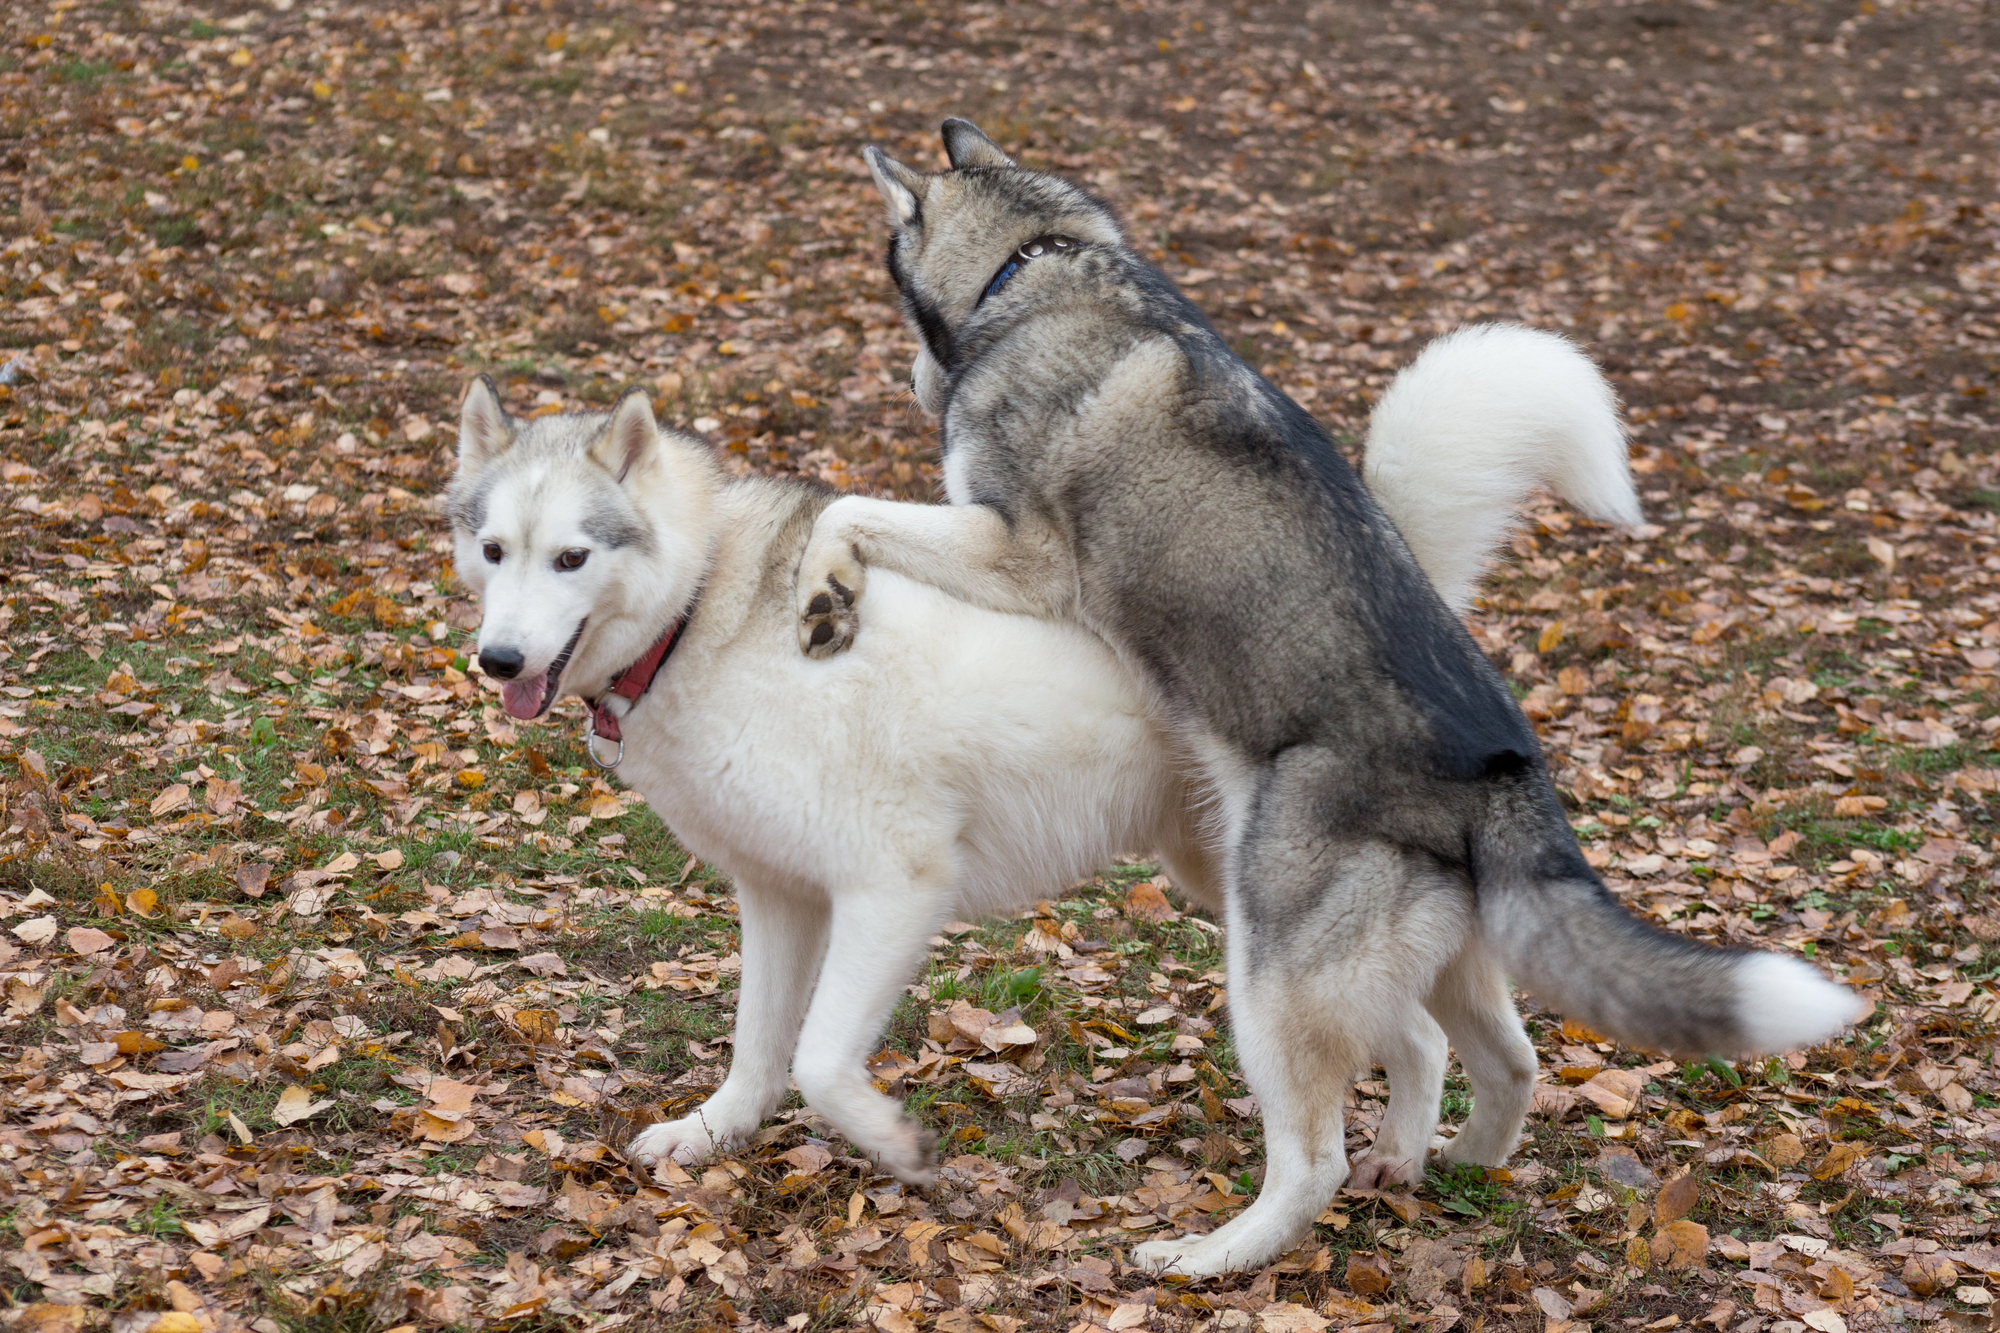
(573,558)
(492,552)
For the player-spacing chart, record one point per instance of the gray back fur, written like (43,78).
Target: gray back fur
(1226,548)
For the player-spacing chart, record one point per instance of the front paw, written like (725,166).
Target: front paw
(911,1156)
(686,1141)
(1184,1256)
(1374,1172)
(829,589)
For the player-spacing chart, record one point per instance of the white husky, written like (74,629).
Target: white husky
(956,762)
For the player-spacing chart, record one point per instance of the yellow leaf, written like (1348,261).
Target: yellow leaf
(1550,637)
(1677,311)
(142,902)
(239,57)
(322,89)
(295,1104)
(176,1321)
(1839,1158)
(471,779)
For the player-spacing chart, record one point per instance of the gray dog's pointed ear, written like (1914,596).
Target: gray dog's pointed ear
(965,146)
(484,428)
(901,187)
(631,436)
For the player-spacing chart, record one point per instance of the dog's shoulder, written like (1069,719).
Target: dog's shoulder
(773,519)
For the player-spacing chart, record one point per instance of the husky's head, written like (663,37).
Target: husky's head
(982,227)
(582,534)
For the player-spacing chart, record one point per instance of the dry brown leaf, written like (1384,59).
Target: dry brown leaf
(1145,901)
(1615,1092)
(86,941)
(1680,1244)
(1676,1200)
(170,800)
(254,878)
(1367,1274)
(1928,1274)
(1784,1151)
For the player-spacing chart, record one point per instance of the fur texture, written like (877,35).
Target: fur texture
(958,762)
(1391,840)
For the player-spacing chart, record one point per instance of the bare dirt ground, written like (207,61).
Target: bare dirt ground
(330,992)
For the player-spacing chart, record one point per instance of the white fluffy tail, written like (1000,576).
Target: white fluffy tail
(1480,419)
(1787,1003)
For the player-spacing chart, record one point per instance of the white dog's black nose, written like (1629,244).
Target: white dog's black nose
(500,663)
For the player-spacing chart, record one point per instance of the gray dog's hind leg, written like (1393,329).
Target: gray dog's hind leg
(1333,947)
(1414,1056)
(1475,1006)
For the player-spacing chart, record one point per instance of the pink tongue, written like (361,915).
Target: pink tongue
(523,698)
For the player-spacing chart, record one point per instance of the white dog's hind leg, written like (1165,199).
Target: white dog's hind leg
(1473,1002)
(782,937)
(1414,1059)
(878,942)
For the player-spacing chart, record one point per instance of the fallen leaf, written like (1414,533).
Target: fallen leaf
(87,941)
(1680,1244)
(1615,1092)
(296,1104)
(1677,1199)
(1145,901)
(1927,1274)
(1784,1151)
(1367,1274)
(36,930)
(1838,1158)
(170,800)
(1287,1317)
(545,965)
(254,878)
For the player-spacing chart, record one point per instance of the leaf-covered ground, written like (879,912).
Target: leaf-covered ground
(330,992)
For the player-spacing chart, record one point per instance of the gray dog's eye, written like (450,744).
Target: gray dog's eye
(492,552)
(573,558)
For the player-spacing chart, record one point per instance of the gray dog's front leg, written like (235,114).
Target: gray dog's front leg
(966,551)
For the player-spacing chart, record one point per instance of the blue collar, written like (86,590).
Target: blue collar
(1035,249)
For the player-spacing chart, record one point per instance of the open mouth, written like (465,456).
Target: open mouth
(528,697)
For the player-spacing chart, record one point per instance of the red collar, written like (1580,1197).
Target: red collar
(631,684)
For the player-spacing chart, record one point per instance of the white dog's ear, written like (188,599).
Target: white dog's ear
(484,428)
(901,187)
(631,438)
(966,146)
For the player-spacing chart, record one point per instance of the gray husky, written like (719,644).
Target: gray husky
(1391,841)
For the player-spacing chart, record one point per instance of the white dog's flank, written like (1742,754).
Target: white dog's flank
(959,762)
